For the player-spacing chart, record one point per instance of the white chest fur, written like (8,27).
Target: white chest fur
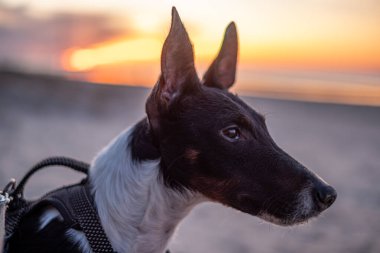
(138,212)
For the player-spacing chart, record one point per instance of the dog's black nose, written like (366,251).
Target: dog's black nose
(325,196)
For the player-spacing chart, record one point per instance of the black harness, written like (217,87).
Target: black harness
(74,202)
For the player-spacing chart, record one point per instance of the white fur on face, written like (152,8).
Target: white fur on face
(304,207)
(137,211)
(305,202)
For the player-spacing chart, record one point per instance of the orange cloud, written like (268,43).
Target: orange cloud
(312,54)
(112,53)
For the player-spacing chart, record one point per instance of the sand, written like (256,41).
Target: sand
(42,116)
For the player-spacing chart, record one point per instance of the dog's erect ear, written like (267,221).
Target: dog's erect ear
(177,60)
(178,74)
(221,73)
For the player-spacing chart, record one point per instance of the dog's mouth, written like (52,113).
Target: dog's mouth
(291,219)
(300,210)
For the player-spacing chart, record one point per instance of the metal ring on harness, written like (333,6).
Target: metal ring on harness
(9,187)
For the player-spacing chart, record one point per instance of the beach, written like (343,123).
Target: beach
(42,116)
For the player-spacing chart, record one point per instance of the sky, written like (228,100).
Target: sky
(120,41)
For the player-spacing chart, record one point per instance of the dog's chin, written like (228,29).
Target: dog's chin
(296,218)
(301,211)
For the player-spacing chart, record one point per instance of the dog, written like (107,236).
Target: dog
(198,143)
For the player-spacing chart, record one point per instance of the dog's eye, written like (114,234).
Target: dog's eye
(231,133)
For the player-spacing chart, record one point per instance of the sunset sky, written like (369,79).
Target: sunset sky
(120,41)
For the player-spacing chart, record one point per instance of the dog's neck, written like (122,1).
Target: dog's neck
(139,213)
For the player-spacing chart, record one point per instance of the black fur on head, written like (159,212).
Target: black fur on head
(212,142)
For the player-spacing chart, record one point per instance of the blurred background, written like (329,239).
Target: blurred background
(316,50)
(73,74)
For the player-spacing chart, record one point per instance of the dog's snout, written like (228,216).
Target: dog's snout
(325,195)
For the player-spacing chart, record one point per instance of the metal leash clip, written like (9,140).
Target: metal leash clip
(5,198)
(5,194)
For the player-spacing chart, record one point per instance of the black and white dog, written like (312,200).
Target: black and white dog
(198,143)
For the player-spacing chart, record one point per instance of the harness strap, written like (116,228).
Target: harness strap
(88,220)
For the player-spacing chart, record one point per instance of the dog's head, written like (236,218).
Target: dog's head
(211,142)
